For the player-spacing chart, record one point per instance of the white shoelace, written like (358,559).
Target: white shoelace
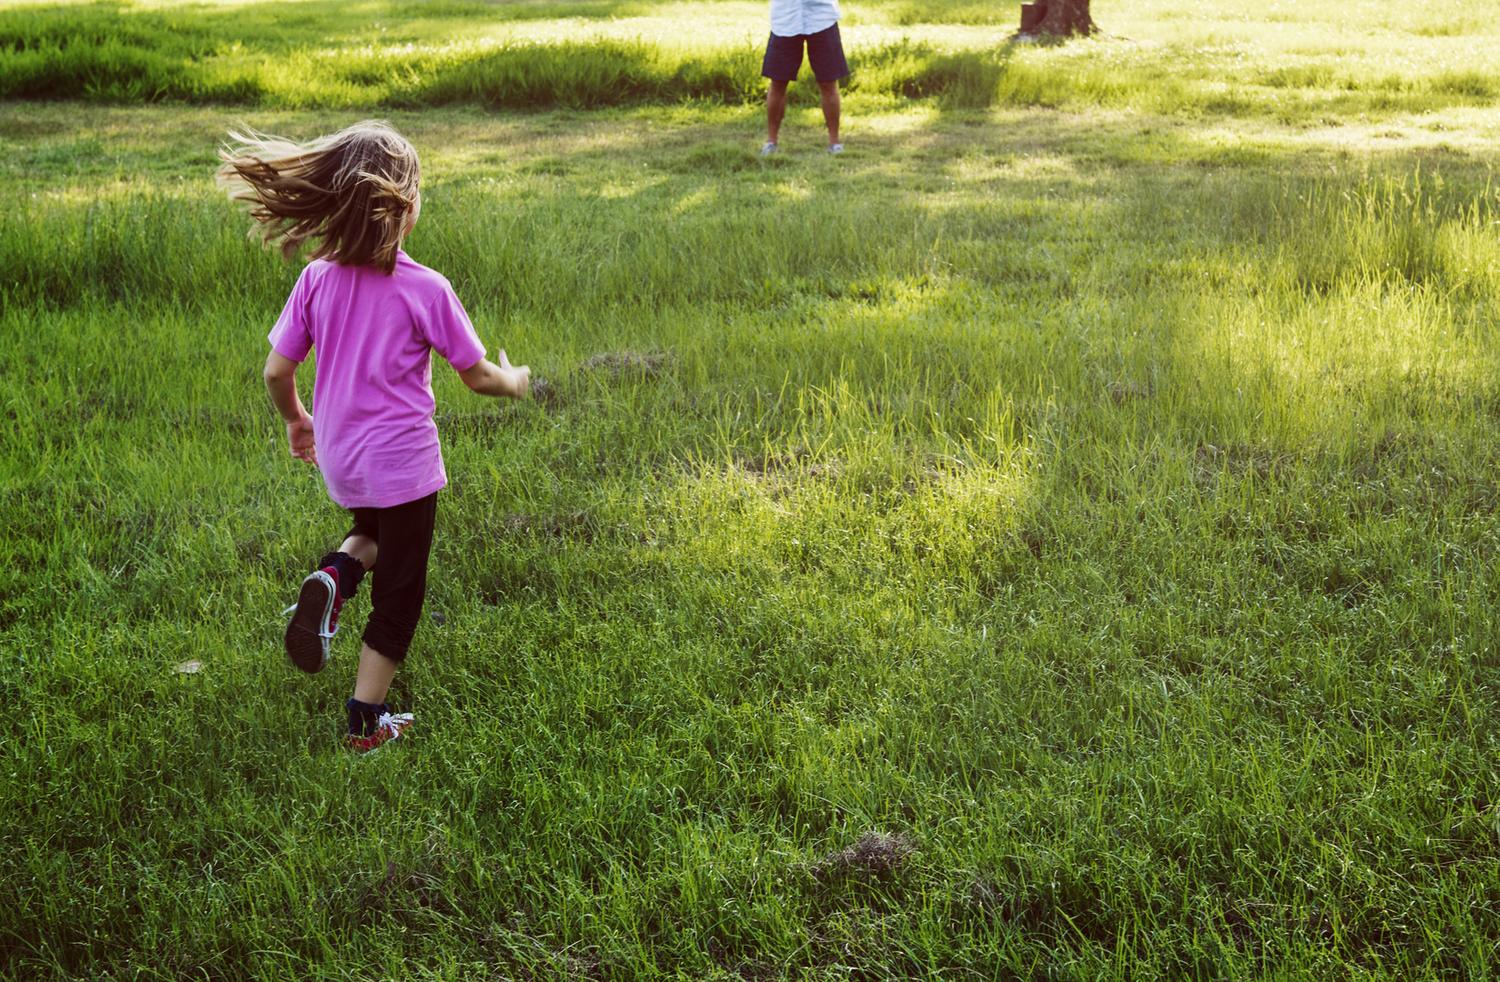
(396,721)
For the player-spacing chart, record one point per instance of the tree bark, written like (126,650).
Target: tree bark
(1064,17)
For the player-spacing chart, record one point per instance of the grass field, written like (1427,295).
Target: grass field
(1055,539)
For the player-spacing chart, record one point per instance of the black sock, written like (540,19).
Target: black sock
(351,571)
(363,716)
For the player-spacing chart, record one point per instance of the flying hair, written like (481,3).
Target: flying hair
(353,193)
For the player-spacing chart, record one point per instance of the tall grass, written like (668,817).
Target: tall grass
(741,245)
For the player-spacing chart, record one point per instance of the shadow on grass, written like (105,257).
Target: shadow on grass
(301,56)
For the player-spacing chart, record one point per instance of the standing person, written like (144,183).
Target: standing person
(374,316)
(796,24)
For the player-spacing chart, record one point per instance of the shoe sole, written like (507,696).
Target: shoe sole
(305,645)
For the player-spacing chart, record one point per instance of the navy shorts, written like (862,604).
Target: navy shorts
(825,53)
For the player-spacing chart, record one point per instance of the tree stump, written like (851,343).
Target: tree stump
(1057,17)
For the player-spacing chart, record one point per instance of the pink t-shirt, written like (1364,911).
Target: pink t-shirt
(372,394)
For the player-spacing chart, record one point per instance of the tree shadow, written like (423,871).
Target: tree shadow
(953,79)
(116,53)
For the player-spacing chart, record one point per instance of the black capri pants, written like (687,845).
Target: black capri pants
(403,534)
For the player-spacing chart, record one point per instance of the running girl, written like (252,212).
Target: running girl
(373,315)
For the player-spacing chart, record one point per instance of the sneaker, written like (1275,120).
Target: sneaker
(389,727)
(835,148)
(316,620)
(768,148)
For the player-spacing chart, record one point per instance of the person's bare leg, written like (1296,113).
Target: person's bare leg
(374,678)
(361,547)
(375,670)
(828,92)
(775,109)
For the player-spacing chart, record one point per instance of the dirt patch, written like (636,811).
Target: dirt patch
(617,364)
(876,856)
(545,392)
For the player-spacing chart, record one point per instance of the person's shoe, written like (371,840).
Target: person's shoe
(315,621)
(835,148)
(389,727)
(769,147)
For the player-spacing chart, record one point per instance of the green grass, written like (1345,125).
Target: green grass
(1091,512)
(1231,59)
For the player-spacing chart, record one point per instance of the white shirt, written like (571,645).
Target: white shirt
(792,17)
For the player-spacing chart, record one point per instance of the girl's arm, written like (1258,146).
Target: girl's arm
(504,379)
(281,384)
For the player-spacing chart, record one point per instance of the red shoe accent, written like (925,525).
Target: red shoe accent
(364,744)
(389,728)
(338,601)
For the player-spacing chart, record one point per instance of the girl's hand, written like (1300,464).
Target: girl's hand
(300,436)
(520,378)
(489,379)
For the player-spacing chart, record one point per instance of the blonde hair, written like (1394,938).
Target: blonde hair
(353,192)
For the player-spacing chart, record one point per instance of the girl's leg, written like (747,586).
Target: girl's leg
(405,536)
(356,554)
(333,581)
(374,679)
(361,547)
